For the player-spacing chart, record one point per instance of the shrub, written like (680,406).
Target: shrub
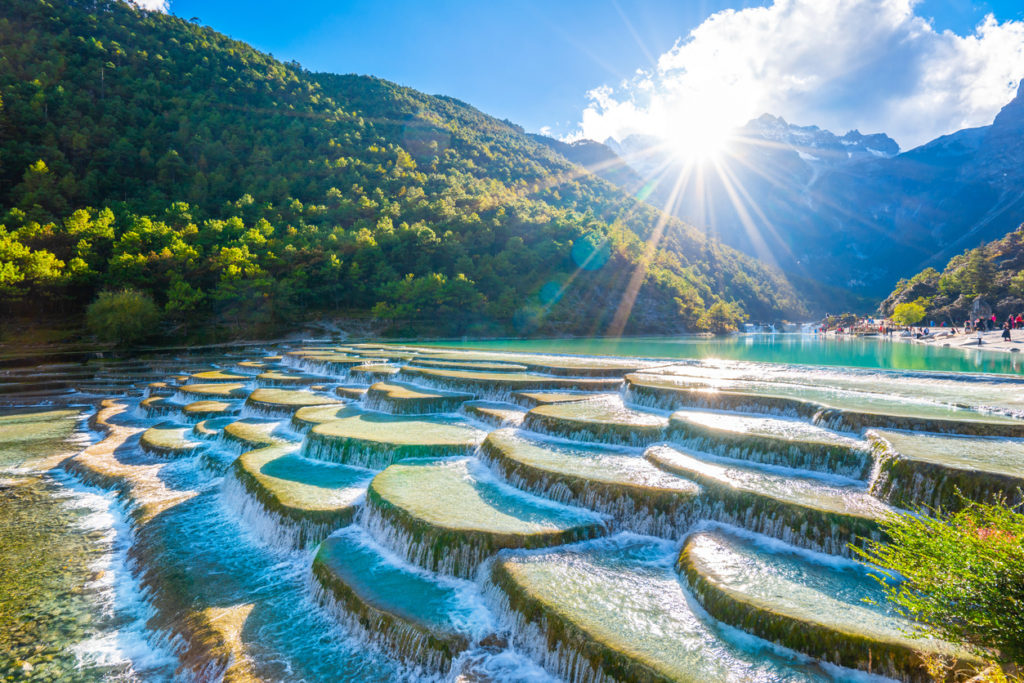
(960,576)
(125,317)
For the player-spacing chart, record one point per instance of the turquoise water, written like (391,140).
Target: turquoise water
(857,352)
(66,611)
(224,583)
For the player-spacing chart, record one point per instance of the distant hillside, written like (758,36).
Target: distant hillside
(987,279)
(599,159)
(777,156)
(141,150)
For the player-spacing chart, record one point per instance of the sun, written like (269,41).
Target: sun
(700,135)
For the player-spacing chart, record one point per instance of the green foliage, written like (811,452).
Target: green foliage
(690,307)
(143,151)
(978,273)
(993,271)
(1017,284)
(722,317)
(841,320)
(929,274)
(125,317)
(909,313)
(962,575)
(183,299)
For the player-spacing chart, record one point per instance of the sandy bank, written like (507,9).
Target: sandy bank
(990,341)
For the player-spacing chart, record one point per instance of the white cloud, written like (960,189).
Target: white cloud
(868,64)
(151,5)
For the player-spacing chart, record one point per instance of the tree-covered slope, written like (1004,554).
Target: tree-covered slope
(991,275)
(140,150)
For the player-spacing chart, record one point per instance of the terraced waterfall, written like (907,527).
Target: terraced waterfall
(384,512)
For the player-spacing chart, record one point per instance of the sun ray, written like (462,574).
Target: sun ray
(636,279)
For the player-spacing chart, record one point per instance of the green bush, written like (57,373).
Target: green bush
(125,317)
(961,576)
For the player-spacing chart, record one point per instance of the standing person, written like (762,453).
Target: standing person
(1006,331)
(967,326)
(1020,321)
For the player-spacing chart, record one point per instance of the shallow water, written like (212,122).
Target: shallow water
(802,349)
(203,553)
(806,490)
(966,389)
(811,585)
(623,590)
(1003,456)
(764,426)
(874,399)
(226,587)
(412,593)
(458,495)
(605,409)
(618,466)
(66,610)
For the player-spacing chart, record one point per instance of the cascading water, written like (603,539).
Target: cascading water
(69,607)
(297,540)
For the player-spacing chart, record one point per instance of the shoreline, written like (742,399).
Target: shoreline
(940,336)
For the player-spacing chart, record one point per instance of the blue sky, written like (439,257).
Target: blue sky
(538,63)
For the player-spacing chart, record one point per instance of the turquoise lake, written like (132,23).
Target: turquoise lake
(801,349)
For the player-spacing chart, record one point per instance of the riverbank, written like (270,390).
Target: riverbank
(990,341)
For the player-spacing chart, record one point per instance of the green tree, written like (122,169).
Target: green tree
(909,313)
(960,575)
(690,307)
(125,317)
(722,317)
(39,189)
(979,274)
(183,299)
(1017,283)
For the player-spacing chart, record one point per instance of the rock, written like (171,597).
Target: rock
(494,641)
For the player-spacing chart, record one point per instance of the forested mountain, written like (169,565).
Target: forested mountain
(140,150)
(987,279)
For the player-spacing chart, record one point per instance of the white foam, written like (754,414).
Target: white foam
(504,666)
(122,641)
